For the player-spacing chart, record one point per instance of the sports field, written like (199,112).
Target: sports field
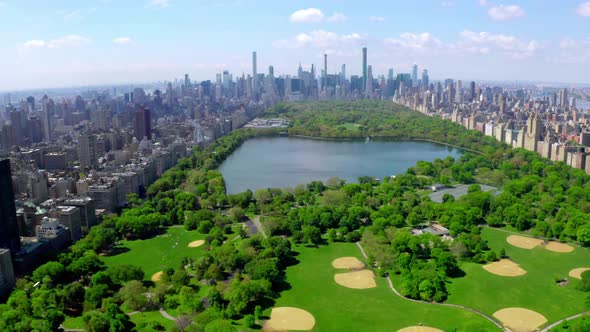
(536,289)
(156,254)
(339,308)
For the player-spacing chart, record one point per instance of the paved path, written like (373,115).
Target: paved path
(258,225)
(396,292)
(550,326)
(167,315)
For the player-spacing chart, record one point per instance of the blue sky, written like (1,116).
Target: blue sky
(64,43)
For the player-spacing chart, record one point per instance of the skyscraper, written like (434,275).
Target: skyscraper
(143,123)
(472,91)
(87,151)
(343,72)
(254,75)
(325,78)
(415,75)
(363,87)
(425,78)
(390,74)
(9,236)
(369,87)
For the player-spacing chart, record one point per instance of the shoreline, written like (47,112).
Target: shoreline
(385,138)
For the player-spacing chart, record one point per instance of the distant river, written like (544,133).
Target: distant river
(278,162)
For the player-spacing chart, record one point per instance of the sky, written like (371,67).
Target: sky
(62,43)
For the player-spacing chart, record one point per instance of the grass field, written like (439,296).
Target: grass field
(144,321)
(337,308)
(158,253)
(536,290)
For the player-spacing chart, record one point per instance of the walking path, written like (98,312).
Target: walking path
(258,225)
(550,326)
(396,292)
(167,315)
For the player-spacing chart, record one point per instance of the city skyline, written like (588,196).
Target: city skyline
(148,41)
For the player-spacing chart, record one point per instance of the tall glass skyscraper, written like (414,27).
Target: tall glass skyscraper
(9,236)
(364,69)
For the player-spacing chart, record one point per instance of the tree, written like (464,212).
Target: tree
(312,235)
(250,321)
(74,297)
(132,294)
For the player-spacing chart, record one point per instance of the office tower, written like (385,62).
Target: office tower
(7,279)
(299,71)
(563,97)
(459,93)
(425,78)
(9,236)
(390,74)
(415,75)
(143,123)
(254,75)
(364,84)
(87,151)
(325,78)
(187,81)
(48,113)
(472,91)
(343,73)
(369,87)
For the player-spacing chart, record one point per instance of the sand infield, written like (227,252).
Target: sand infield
(505,268)
(348,263)
(558,247)
(520,319)
(577,273)
(530,243)
(358,279)
(157,276)
(197,243)
(289,319)
(523,241)
(419,329)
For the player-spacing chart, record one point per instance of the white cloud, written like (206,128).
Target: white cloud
(158,4)
(420,43)
(584,9)
(376,18)
(65,41)
(483,3)
(469,42)
(337,17)
(572,51)
(448,4)
(307,15)
(505,13)
(320,39)
(486,42)
(122,40)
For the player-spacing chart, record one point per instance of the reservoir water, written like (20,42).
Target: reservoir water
(278,162)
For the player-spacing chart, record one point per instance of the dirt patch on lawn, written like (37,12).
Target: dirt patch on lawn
(419,329)
(157,276)
(505,268)
(577,273)
(289,319)
(524,242)
(558,247)
(348,263)
(197,243)
(358,279)
(520,319)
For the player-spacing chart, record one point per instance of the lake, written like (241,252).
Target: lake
(278,162)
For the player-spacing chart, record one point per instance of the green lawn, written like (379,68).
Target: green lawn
(337,308)
(146,321)
(535,290)
(74,323)
(160,252)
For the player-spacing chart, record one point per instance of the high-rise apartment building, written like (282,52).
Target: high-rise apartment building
(87,151)
(254,75)
(415,75)
(364,84)
(143,124)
